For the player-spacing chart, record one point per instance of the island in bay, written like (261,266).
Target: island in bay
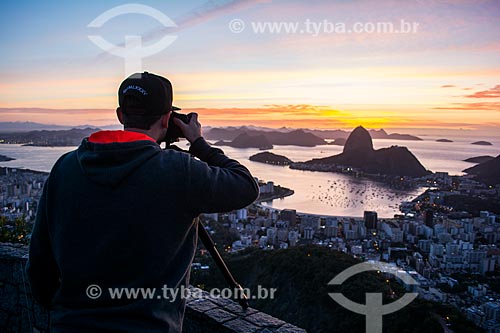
(270,158)
(359,155)
(482,143)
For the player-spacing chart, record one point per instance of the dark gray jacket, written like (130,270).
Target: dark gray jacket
(122,215)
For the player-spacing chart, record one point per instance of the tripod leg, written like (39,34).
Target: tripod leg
(210,245)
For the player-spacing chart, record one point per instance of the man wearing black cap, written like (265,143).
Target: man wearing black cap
(119,212)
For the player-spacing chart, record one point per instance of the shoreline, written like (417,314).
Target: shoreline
(287,192)
(4,158)
(22,170)
(260,202)
(280,193)
(392,181)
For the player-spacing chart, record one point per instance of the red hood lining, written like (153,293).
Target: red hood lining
(118,136)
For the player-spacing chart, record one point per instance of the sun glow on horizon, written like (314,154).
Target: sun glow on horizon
(447,75)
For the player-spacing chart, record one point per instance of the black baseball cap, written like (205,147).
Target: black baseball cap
(153,92)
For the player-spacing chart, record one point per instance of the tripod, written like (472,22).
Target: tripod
(210,246)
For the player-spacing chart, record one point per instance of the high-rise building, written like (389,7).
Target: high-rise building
(271,235)
(267,187)
(452,249)
(293,236)
(213,216)
(425,245)
(308,233)
(437,250)
(370,220)
(310,221)
(331,227)
(429,218)
(262,242)
(242,214)
(289,215)
(282,235)
(492,310)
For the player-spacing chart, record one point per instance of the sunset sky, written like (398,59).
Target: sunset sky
(446,74)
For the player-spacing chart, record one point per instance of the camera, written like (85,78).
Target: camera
(174,132)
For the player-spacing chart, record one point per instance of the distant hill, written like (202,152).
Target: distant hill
(339,142)
(270,158)
(57,138)
(482,143)
(487,172)
(381,134)
(244,140)
(375,134)
(226,134)
(26,126)
(230,133)
(283,136)
(444,140)
(359,154)
(295,137)
(479,159)
(329,134)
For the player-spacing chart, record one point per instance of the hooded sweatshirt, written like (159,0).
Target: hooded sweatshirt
(119,212)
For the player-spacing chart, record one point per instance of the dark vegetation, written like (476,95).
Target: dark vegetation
(301,275)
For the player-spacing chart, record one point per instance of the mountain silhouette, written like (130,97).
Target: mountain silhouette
(359,141)
(375,134)
(300,137)
(56,138)
(244,140)
(266,140)
(359,153)
(487,172)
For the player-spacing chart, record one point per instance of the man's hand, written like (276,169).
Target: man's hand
(192,130)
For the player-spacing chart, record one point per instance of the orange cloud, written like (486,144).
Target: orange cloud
(490,93)
(290,115)
(484,106)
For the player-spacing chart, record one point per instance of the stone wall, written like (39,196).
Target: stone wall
(19,313)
